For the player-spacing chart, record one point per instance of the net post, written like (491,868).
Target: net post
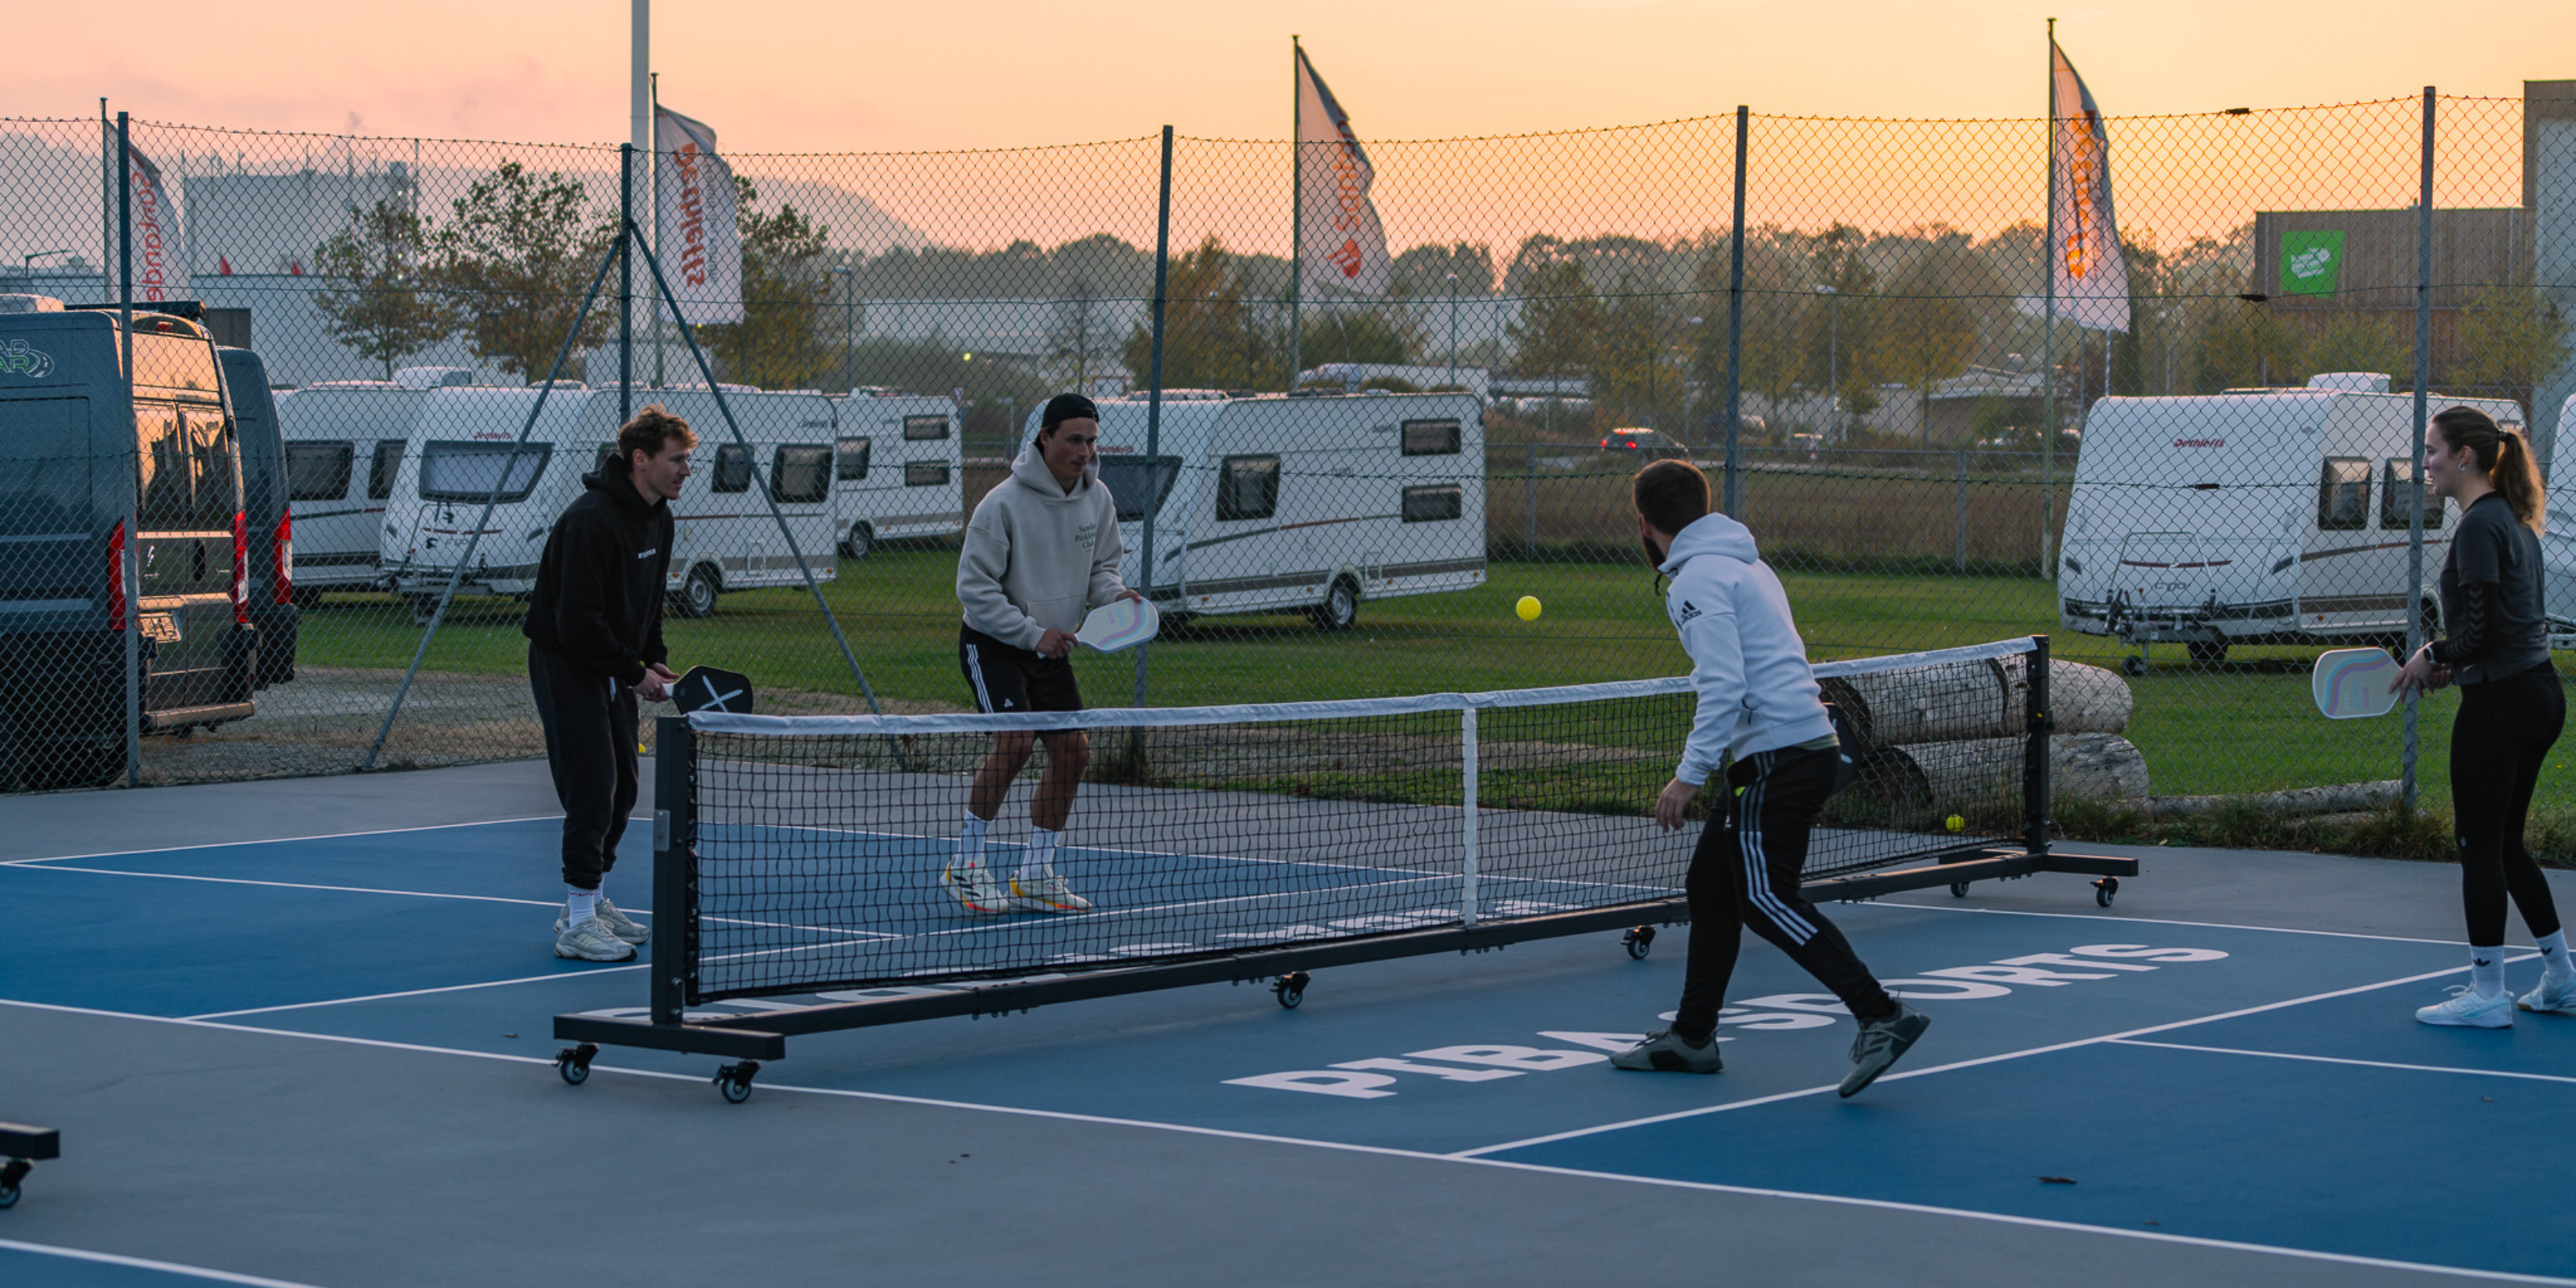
(675,844)
(1467,833)
(2035,760)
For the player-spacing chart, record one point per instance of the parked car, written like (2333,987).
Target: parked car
(1648,444)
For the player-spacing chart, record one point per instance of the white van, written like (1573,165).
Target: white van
(2267,516)
(1272,503)
(898,469)
(2558,548)
(344,445)
(726,538)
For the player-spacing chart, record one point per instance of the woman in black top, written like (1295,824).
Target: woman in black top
(2512,707)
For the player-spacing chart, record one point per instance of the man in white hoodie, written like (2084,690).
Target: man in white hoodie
(1042,549)
(1757,704)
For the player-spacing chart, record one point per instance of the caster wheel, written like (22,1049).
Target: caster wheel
(574,1062)
(14,1171)
(1958,889)
(1638,941)
(734,1080)
(2105,890)
(1291,988)
(2133,666)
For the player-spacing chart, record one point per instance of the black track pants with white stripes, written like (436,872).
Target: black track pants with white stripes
(1745,872)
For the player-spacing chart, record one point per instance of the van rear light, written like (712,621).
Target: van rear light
(241,569)
(116,578)
(283,575)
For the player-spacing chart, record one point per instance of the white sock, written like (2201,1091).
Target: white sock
(2486,970)
(970,841)
(1039,859)
(580,906)
(2553,955)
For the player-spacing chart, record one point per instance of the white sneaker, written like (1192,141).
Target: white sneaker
(975,886)
(591,941)
(1046,894)
(2470,1009)
(2551,995)
(619,924)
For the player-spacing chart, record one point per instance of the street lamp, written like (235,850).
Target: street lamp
(26,262)
(849,323)
(1833,360)
(1453,330)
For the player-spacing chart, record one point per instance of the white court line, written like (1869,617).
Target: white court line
(420,992)
(277,840)
(2366,1064)
(146,1263)
(2146,921)
(1966,1064)
(49,866)
(1885,1205)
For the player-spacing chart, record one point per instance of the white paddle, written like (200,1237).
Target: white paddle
(1118,624)
(2352,683)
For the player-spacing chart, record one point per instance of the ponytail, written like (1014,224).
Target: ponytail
(2504,456)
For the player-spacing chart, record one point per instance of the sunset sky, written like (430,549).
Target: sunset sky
(827,75)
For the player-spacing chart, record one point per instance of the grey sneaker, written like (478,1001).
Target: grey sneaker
(592,941)
(619,924)
(975,886)
(2550,995)
(1665,1051)
(1046,894)
(1878,1045)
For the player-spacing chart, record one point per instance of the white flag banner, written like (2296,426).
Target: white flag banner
(160,272)
(1340,244)
(2092,278)
(694,234)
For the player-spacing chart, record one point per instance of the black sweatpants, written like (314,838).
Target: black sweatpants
(2499,741)
(1745,871)
(590,745)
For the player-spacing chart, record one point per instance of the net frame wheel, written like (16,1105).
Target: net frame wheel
(573,1062)
(12,1172)
(2105,890)
(1290,988)
(1638,940)
(1958,889)
(733,1081)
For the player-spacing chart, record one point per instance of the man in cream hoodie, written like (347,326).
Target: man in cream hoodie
(1758,704)
(1042,550)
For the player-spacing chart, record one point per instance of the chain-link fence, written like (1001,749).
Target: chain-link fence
(1335,494)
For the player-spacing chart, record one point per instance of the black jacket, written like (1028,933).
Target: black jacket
(598,599)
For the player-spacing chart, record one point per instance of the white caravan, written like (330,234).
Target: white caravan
(898,469)
(726,537)
(1272,504)
(344,447)
(2268,516)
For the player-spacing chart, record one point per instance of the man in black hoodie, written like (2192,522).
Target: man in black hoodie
(594,633)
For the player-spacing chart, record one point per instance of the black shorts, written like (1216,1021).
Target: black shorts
(1004,677)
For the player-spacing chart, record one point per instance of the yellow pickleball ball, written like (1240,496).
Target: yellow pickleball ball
(1957,823)
(1528,608)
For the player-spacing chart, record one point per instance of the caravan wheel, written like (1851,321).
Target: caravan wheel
(859,542)
(1340,610)
(697,597)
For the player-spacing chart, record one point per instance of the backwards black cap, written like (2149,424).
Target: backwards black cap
(1064,407)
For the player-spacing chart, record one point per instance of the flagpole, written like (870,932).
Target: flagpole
(1296,204)
(2048,340)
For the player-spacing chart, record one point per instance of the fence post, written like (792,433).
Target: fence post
(1960,508)
(625,286)
(131,574)
(1529,501)
(2415,513)
(1735,332)
(1154,399)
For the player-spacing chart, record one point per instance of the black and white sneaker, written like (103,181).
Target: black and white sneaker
(1664,1051)
(1879,1043)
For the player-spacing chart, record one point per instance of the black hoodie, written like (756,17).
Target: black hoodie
(598,598)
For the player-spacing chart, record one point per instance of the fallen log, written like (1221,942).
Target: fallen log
(1977,699)
(2298,802)
(1984,774)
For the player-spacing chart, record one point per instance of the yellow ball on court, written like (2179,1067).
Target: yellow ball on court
(1528,608)
(1956,823)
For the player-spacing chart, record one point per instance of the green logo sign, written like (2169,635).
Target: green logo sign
(2311,262)
(19,360)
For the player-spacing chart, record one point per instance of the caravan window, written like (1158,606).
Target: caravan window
(850,461)
(318,471)
(799,473)
(470,471)
(925,474)
(174,361)
(381,471)
(1138,483)
(169,492)
(1249,488)
(2396,507)
(733,468)
(1429,504)
(210,440)
(2343,494)
(924,429)
(1431,438)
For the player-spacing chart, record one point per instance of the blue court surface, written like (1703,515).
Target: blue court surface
(2136,1082)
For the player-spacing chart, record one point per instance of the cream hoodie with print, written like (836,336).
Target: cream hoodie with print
(1038,557)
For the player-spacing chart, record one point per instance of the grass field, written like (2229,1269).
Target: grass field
(2244,726)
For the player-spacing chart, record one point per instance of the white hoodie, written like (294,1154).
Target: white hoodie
(1037,556)
(1748,664)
